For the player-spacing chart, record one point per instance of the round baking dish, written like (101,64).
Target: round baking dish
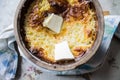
(18,28)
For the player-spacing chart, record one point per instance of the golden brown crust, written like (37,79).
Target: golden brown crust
(60,7)
(79,28)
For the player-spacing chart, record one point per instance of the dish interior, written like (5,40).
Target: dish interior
(79,28)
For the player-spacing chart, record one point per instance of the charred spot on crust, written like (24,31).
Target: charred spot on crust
(59,5)
(36,19)
(79,51)
(37,52)
(77,11)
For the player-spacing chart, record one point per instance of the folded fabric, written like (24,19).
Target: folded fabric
(8,55)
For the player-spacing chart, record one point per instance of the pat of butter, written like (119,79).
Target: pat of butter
(62,52)
(53,22)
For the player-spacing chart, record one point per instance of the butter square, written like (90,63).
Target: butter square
(53,22)
(62,51)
